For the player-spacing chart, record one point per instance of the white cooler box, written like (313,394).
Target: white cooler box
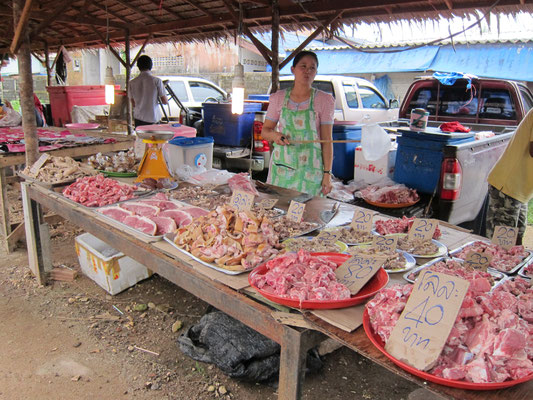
(197,152)
(109,268)
(371,172)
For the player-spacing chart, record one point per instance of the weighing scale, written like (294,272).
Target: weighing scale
(153,163)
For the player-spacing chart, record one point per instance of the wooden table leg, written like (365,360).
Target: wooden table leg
(5,226)
(291,366)
(37,236)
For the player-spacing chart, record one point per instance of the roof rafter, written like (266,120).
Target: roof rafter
(137,11)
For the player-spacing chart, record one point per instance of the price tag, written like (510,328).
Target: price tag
(296,211)
(356,271)
(241,200)
(362,219)
(505,236)
(427,319)
(478,260)
(328,236)
(385,243)
(267,204)
(39,163)
(423,229)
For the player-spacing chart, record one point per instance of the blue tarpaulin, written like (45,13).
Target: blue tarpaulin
(498,60)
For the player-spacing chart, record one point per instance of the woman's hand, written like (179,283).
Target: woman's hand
(326,184)
(281,139)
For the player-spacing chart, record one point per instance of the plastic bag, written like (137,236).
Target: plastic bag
(210,177)
(375,142)
(10,117)
(236,349)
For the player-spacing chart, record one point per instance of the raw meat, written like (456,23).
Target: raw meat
(242,182)
(164,225)
(502,260)
(117,213)
(492,339)
(395,194)
(146,210)
(388,226)
(195,212)
(181,217)
(300,276)
(97,191)
(143,224)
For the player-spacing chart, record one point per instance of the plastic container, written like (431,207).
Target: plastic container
(178,129)
(109,268)
(419,157)
(229,129)
(344,153)
(63,98)
(196,152)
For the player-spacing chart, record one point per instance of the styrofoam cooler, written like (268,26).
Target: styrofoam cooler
(195,152)
(371,172)
(109,268)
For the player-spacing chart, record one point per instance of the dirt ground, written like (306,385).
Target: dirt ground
(66,340)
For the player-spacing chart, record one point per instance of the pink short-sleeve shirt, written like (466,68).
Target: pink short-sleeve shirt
(324,105)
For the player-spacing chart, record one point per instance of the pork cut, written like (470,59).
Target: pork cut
(143,224)
(164,225)
(117,213)
(145,210)
(181,217)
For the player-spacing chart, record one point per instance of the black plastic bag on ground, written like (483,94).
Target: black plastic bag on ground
(237,350)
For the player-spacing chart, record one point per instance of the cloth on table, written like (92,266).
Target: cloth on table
(453,126)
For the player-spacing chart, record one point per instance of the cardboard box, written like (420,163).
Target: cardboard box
(109,268)
(370,172)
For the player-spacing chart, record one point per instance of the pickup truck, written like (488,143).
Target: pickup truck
(459,191)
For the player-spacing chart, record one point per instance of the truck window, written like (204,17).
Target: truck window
(526,99)
(425,98)
(458,100)
(351,95)
(370,98)
(325,86)
(201,91)
(178,87)
(497,104)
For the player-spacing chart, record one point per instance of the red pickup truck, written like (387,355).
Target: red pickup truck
(452,176)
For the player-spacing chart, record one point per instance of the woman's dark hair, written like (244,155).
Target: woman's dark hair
(144,63)
(302,54)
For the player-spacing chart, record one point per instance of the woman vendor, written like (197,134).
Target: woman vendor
(301,113)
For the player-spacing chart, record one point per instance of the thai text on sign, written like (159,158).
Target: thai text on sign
(356,271)
(241,200)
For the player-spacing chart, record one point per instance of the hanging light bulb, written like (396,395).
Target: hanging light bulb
(237,97)
(109,82)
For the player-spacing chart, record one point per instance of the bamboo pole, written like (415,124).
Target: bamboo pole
(26,89)
(275,46)
(129,119)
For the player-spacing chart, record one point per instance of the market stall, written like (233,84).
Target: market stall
(227,287)
(56,142)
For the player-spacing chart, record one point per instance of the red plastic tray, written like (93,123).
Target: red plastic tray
(390,205)
(375,284)
(376,340)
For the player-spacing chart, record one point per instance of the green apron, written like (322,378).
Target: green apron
(298,166)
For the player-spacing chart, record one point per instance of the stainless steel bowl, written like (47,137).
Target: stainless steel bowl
(155,135)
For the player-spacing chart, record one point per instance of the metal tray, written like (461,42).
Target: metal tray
(129,229)
(522,271)
(525,261)
(169,238)
(498,276)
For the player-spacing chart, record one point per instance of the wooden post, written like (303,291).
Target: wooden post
(129,119)
(26,89)
(47,62)
(275,46)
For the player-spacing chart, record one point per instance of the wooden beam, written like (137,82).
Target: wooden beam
(115,15)
(275,46)
(141,50)
(75,19)
(58,10)
(265,51)
(449,4)
(198,7)
(137,11)
(47,64)
(20,27)
(159,4)
(317,32)
(37,57)
(113,51)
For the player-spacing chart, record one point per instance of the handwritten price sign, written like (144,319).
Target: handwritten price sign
(267,204)
(505,236)
(385,244)
(477,260)
(241,201)
(356,271)
(423,229)
(328,236)
(362,220)
(296,211)
(427,319)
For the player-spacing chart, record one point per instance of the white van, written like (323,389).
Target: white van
(191,92)
(355,98)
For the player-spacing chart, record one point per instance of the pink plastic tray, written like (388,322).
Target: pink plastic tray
(82,126)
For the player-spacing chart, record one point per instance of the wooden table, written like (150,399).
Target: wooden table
(183,271)
(9,234)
